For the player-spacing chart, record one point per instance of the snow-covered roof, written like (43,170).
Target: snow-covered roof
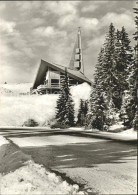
(76,74)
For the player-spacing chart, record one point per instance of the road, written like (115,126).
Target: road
(99,165)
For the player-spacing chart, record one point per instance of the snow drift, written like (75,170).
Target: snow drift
(17,108)
(23,176)
(3,141)
(35,179)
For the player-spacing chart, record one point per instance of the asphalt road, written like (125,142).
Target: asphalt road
(77,158)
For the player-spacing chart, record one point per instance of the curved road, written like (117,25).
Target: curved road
(98,165)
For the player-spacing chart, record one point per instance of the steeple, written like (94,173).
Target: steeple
(76,61)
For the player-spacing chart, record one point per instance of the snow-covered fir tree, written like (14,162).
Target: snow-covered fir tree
(108,65)
(97,108)
(136,32)
(110,77)
(65,105)
(108,80)
(135,120)
(118,71)
(132,105)
(83,110)
(123,59)
(86,107)
(99,74)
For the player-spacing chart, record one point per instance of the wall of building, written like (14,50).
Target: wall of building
(52,77)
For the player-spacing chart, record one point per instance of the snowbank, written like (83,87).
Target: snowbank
(23,176)
(16,109)
(11,157)
(35,179)
(3,141)
(116,127)
(126,135)
(130,133)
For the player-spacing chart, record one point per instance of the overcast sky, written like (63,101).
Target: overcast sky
(31,31)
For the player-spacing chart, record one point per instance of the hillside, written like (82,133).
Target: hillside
(17,107)
(15,89)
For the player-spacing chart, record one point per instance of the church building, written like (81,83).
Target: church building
(49,75)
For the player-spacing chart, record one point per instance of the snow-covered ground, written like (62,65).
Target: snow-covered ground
(17,108)
(31,178)
(129,134)
(35,179)
(117,126)
(3,141)
(15,89)
(116,176)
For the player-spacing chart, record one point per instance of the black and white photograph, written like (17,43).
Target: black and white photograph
(68,97)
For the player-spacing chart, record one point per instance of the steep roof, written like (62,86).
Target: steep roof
(71,72)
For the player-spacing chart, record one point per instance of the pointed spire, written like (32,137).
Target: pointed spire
(76,61)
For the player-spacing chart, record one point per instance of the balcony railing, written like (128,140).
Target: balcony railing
(43,87)
(53,85)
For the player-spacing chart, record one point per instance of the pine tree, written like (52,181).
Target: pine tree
(80,113)
(99,76)
(83,110)
(108,61)
(135,120)
(128,55)
(118,71)
(65,105)
(123,59)
(136,33)
(135,74)
(97,109)
(132,106)
(102,108)
(96,103)
(109,79)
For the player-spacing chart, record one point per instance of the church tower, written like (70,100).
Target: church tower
(76,61)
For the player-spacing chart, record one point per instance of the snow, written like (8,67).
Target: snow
(130,133)
(34,141)
(14,88)
(30,178)
(116,126)
(35,179)
(17,108)
(77,128)
(3,141)
(80,92)
(126,135)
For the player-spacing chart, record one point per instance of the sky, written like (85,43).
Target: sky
(35,30)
